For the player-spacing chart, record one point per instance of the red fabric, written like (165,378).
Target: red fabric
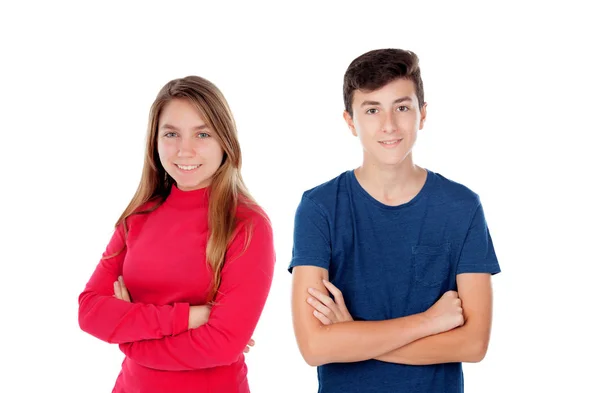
(164,268)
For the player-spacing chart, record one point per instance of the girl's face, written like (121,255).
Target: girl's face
(188,150)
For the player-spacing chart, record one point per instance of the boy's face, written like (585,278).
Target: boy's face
(386,121)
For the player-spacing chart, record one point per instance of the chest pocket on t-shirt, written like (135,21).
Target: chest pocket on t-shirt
(431,264)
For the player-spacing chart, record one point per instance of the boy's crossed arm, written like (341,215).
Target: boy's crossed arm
(345,340)
(433,344)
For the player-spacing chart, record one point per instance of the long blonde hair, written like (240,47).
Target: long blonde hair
(227,187)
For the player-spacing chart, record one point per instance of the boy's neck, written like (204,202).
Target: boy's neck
(392,185)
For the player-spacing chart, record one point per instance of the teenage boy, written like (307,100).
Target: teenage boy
(405,252)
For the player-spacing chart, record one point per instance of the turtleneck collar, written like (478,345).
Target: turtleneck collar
(188,199)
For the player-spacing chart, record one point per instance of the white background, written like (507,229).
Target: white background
(513,114)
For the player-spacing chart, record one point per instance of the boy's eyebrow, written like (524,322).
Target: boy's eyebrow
(399,100)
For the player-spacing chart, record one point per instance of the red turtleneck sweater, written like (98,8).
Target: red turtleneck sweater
(164,268)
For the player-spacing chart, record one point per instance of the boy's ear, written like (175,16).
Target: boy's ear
(423,116)
(350,122)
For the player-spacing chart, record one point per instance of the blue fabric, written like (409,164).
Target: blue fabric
(390,262)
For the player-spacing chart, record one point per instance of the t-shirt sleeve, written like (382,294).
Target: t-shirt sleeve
(312,240)
(478,254)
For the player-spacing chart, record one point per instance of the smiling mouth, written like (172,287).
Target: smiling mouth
(390,143)
(187,167)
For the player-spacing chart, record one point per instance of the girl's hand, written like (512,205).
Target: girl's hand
(121,292)
(198,314)
(249,345)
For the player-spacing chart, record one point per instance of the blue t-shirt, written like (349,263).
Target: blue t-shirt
(390,262)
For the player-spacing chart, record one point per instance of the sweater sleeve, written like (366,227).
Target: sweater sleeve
(117,321)
(245,283)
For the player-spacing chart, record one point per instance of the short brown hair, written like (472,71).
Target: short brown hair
(375,69)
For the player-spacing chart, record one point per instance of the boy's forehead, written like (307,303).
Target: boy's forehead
(398,87)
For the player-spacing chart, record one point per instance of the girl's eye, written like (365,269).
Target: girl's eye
(203,135)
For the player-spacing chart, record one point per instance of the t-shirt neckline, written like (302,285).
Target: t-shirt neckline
(358,189)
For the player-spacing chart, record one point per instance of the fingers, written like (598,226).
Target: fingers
(124,291)
(456,302)
(324,320)
(117,290)
(121,286)
(337,294)
(342,313)
(250,344)
(450,294)
(120,290)
(319,307)
(325,305)
(326,300)
(334,311)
